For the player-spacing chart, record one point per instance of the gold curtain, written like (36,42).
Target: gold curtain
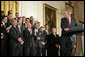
(9,5)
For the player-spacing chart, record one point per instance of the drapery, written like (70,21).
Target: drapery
(9,5)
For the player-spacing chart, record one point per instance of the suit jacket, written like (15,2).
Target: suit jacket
(14,35)
(52,40)
(21,33)
(8,23)
(3,30)
(14,43)
(37,42)
(29,39)
(64,24)
(42,36)
(4,42)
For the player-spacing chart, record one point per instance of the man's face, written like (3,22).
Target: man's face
(10,16)
(2,13)
(32,18)
(5,20)
(28,21)
(20,22)
(53,30)
(21,19)
(14,22)
(36,26)
(46,27)
(41,29)
(66,14)
(24,19)
(17,15)
(29,25)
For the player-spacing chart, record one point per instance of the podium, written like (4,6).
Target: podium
(80,30)
(76,29)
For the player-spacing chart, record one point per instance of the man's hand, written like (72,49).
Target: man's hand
(22,43)
(66,29)
(20,39)
(74,46)
(1,25)
(38,38)
(2,35)
(57,45)
(43,43)
(8,28)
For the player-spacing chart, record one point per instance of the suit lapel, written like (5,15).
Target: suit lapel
(67,23)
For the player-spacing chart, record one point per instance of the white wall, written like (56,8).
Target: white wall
(35,8)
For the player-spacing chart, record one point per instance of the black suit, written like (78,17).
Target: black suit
(9,22)
(4,41)
(21,35)
(52,40)
(14,44)
(66,43)
(29,49)
(8,35)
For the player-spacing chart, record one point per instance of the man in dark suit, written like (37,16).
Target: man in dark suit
(17,15)
(9,25)
(15,39)
(10,11)
(23,23)
(29,49)
(66,43)
(53,43)
(9,20)
(4,36)
(2,14)
(46,32)
(20,29)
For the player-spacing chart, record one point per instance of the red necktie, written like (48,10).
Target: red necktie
(69,23)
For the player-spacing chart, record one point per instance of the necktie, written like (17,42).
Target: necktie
(20,29)
(30,31)
(69,23)
(4,25)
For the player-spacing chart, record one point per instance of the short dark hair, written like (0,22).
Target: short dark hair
(9,14)
(27,18)
(2,11)
(53,27)
(17,12)
(9,11)
(46,24)
(13,20)
(3,17)
(19,17)
(23,17)
(41,27)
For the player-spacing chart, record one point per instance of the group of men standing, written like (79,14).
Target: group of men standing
(22,37)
